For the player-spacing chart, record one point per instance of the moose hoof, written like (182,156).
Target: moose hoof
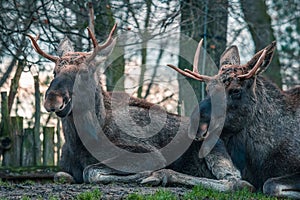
(159,177)
(63,177)
(242,184)
(97,175)
(151,180)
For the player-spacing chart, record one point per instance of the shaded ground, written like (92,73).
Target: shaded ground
(37,183)
(35,190)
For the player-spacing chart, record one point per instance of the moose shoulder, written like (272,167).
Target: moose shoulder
(261,130)
(76,96)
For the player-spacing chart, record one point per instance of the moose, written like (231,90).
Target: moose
(261,130)
(93,118)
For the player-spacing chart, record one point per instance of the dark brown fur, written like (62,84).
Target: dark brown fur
(261,130)
(73,102)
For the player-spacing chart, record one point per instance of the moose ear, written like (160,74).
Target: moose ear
(270,49)
(230,56)
(64,47)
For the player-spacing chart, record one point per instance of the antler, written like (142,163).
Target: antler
(183,72)
(39,50)
(253,71)
(98,47)
(92,36)
(196,58)
(195,73)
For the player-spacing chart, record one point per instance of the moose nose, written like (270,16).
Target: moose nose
(53,103)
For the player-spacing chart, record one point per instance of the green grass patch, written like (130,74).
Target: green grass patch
(6,184)
(29,182)
(199,193)
(29,169)
(53,198)
(90,195)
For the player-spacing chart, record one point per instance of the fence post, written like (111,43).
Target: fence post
(27,155)
(5,120)
(48,146)
(12,157)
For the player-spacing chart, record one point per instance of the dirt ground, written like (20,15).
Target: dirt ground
(35,190)
(37,183)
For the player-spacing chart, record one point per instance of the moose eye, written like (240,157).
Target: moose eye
(235,93)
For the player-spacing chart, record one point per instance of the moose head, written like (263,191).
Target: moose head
(239,83)
(58,97)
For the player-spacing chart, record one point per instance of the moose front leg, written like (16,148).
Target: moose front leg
(220,164)
(218,161)
(284,186)
(169,177)
(100,173)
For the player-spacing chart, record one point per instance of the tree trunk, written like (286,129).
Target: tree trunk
(144,48)
(37,122)
(202,19)
(14,85)
(5,119)
(259,24)
(103,23)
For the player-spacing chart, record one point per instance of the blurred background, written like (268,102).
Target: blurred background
(151,33)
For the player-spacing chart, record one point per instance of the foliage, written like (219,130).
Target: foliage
(52,197)
(29,182)
(286,24)
(199,192)
(90,195)
(5,184)
(146,20)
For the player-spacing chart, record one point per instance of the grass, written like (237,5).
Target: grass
(6,184)
(201,193)
(24,169)
(198,193)
(90,195)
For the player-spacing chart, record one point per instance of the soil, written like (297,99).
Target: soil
(39,190)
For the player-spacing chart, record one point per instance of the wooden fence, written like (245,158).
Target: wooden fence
(26,147)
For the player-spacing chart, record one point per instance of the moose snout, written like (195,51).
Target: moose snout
(54,103)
